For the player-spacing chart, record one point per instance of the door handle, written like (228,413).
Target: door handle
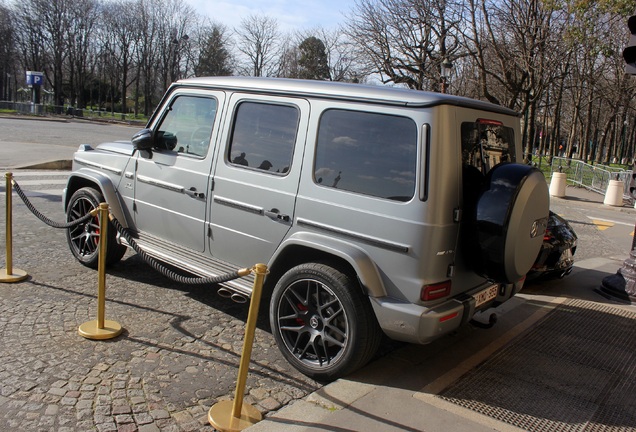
(193,193)
(276,214)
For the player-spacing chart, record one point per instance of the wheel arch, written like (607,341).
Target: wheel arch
(89,178)
(310,247)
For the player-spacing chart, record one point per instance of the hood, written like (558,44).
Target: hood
(121,147)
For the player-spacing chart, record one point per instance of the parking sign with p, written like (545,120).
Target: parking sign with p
(34,78)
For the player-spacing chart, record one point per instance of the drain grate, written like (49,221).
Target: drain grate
(574,371)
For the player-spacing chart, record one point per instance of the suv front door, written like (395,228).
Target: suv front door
(172,182)
(256,178)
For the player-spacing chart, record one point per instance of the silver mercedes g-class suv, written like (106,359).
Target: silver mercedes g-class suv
(376,209)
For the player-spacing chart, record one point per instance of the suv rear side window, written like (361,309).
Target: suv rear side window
(368,153)
(263,136)
(485,143)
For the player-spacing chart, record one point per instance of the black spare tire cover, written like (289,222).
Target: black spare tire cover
(508,222)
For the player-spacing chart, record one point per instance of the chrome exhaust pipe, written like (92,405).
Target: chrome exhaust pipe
(239,298)
(225,293)
(232,295)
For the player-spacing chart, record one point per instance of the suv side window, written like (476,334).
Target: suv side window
(368,153)
(187,125)
(263,136)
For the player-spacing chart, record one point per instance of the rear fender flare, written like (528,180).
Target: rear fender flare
(364,267)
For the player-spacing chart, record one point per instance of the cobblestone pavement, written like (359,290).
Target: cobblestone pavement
(178,354)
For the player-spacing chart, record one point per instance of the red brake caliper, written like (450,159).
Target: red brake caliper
(303,308)
(96,238)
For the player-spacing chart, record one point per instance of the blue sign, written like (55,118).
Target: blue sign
(34,78)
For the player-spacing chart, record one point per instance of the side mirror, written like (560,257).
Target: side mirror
(143,140)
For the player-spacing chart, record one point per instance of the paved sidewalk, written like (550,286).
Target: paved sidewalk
(523,374)
(587,197)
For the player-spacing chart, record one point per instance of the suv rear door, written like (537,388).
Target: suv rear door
(256,177)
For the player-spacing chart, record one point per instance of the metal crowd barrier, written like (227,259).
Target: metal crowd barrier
(593,177)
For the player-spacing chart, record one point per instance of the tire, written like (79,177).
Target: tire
(508,222)
(322,322)
(83,239)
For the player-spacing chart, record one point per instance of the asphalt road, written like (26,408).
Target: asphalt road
(63,132)
(25,142)
(603,231)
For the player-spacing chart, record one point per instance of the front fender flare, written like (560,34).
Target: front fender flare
(365,268)
(87,177)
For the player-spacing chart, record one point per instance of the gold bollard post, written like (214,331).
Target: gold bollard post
(10,274)
(100,328)
(228,416)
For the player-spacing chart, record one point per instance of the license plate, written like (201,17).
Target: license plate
(486,295)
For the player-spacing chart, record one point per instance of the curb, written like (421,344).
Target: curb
(56,165)
(64,165)
(342,399)
(33,117)
(572,197)
(135,123)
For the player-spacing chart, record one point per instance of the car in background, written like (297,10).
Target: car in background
(556,256)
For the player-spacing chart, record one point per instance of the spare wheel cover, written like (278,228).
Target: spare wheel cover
(512,214)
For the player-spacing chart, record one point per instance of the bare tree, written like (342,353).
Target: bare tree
(147,53)
(407,41)
(175,20)
(560,66)
(123,35)
(341,56)
(516,46)
(288,60)
(82,23)
(7,52)
(258,40)
(595,102)
(163,50)
(46,22)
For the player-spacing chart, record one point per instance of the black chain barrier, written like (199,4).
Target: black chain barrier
(131,241)
(167,272)
(43,218)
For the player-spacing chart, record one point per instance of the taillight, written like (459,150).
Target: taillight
(548,235)
(435,291)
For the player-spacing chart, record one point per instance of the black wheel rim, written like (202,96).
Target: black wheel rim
(84,237)
(313,323)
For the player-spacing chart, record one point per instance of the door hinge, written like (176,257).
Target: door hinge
(457,215)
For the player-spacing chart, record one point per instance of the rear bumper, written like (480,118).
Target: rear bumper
(415,323)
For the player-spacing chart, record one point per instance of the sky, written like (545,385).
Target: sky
(290,14)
